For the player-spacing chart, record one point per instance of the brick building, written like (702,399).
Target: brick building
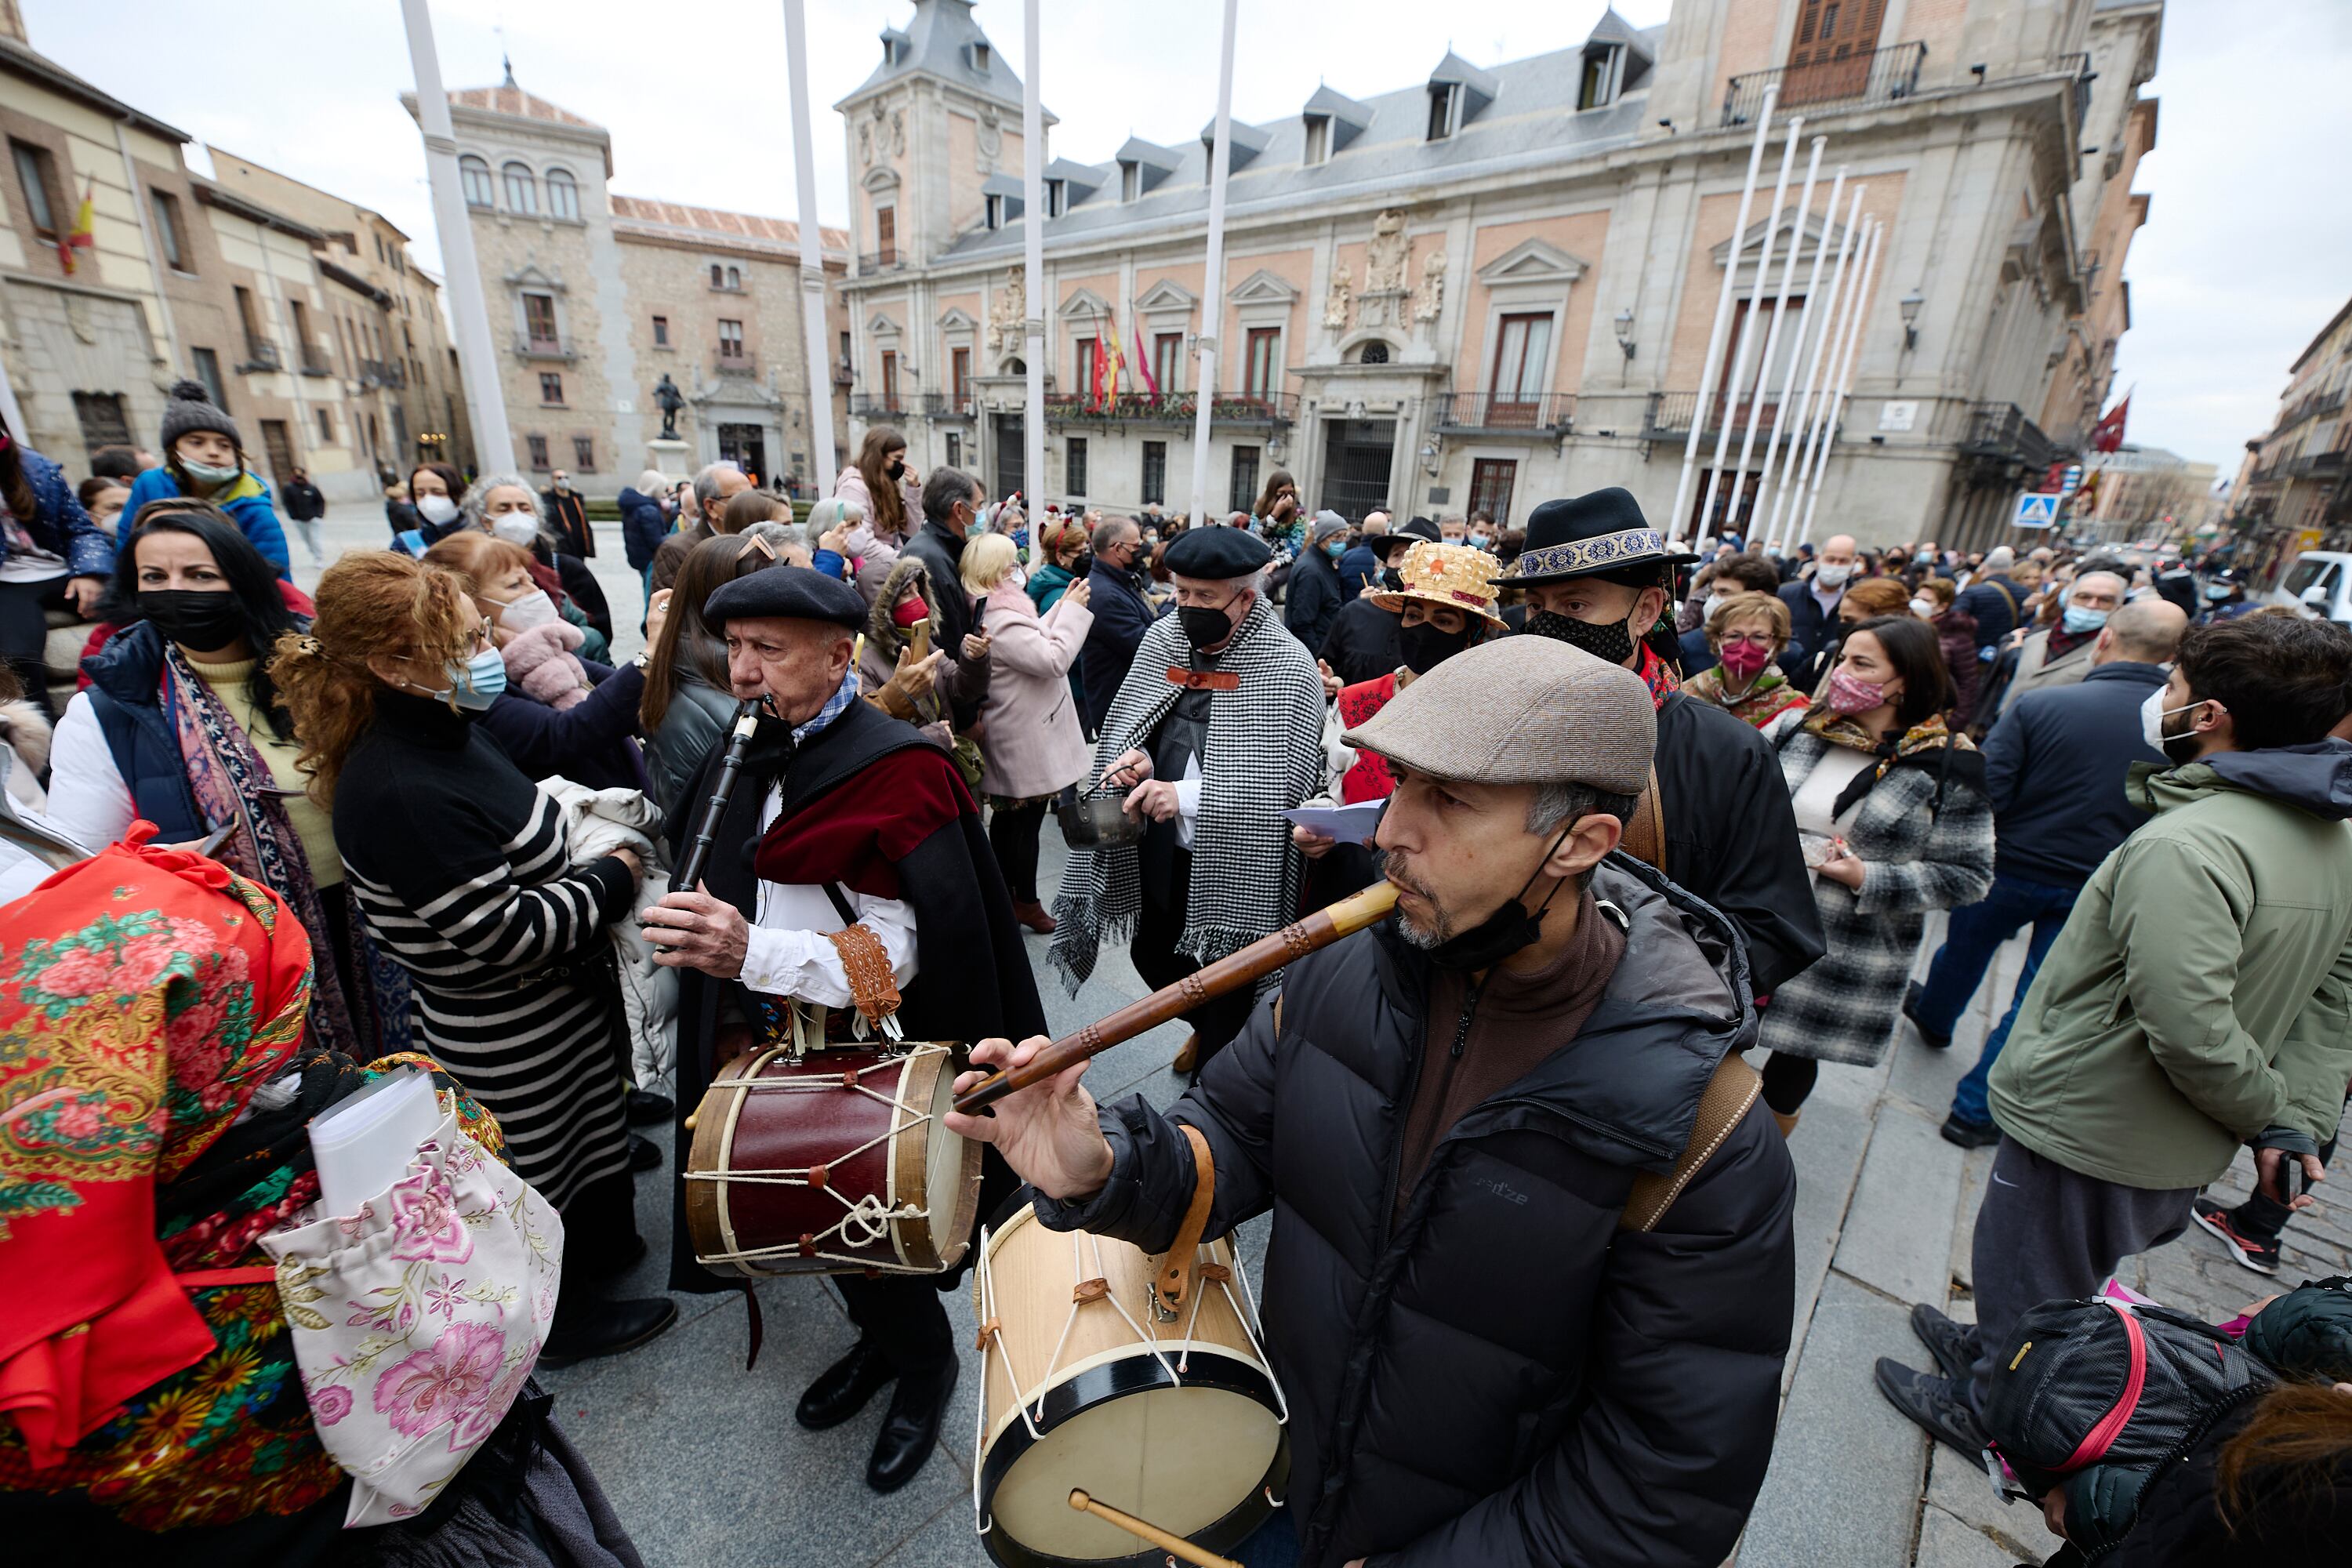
(2294,491)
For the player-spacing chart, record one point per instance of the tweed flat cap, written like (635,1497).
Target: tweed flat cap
(1520,709)
(786,593)
(1217,553)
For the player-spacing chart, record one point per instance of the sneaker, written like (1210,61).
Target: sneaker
(1954,1345)
(1968,1134)
(2261,1258)
(1934,1402)
(1940,1040)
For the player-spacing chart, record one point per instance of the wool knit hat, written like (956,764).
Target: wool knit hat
(1522,709)
(190,409)
(1326,525)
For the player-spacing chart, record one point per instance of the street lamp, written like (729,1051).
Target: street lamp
(1909,305)
(1626,331)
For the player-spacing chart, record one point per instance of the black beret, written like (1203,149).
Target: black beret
(1215,553)
(785,593)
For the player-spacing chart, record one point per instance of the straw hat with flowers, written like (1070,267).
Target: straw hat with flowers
(1454,576)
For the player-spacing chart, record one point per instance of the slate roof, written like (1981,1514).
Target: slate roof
(938,41)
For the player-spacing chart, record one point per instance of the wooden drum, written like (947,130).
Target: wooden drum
(1084,1385)
(834,1162)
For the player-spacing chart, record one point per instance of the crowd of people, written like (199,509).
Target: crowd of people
(1666,826)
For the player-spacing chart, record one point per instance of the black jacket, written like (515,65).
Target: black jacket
(1996,613)
(1315,597)
(1810,626)
(2054,768)
(1362,642)
(1122,614)
(643,525)
(1731,834)
(568,515)
(1495,1375)
(940,551)
(304,503)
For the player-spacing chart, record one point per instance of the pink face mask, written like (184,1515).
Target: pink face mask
(1744,659)
(1852,694)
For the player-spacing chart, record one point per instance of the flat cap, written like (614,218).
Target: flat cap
(1215,553)
(1520,709)
(786,593)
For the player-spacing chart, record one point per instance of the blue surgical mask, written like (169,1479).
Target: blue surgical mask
(1336,546)
(208,474)
(474,684)
(2081,623)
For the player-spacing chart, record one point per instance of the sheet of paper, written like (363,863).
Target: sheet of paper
(365,1143)
(1347,824)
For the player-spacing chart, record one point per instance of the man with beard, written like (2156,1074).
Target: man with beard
(848,836)
(1532,1274)
(1597,576)
(1215,733)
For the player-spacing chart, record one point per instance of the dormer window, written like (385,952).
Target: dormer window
(995,211)
(1318,140)
(1057,197)
(1444,109)
(1130,182)
(1603,76)
(979,58)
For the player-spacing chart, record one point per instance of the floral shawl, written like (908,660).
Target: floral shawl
(1772,695)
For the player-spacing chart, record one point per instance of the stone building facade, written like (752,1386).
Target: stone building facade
(2294,491)
(2145,494)
(596,297)
(1497,284)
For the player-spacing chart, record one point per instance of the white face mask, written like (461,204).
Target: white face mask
(1830,576)
(516,528)
(529,610)
(2152,715)
(436,509)
(1923,608)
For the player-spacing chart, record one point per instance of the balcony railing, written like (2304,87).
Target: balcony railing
(261,353)
(889,260)
(382,373)
(1669,415)
(842,375)
(735,364)
(1479,411)
(942,405)
(315,361)
(1882,76)
(867,406)
(1171,408)
(2316,465)
(2001,432)
(2078,66)
(530,345)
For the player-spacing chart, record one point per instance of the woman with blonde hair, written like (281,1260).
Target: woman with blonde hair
(1747,633)
(461,872)
(1032,744)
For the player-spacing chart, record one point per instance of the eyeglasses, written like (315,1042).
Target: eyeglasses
(1750,639)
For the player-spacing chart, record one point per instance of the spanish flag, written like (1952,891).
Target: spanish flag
(85,219)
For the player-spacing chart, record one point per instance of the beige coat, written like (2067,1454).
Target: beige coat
(2037,671)
(1031,741)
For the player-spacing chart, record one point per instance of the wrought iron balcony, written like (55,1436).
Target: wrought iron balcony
(1277,408)
(2316,465)
(315,361)
(261,353)
(842,375)
(735,364)
(1669,415)
(1880,75)
(1494,411)
(2078,66)
(528,346)
(941,405)
(865,405)
(2000,433)
(889,260)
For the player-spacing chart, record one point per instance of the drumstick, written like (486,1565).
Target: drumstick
(1174,1545)
(1262,957)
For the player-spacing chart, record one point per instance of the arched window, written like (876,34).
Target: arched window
(1374,353)
(563,194)
(523,191)
(734,277)
(474,174)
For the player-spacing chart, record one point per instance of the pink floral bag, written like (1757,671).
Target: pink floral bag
(417,1320)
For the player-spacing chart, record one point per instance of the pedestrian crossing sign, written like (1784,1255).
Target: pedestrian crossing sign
(2036,509)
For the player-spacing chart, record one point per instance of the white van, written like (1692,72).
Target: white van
(2320,582)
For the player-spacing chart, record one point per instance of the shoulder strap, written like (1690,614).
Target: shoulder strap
(1646,832)
(1728,1095)
(2003,588)
(840,904)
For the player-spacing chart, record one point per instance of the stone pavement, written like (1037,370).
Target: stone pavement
(707,1468)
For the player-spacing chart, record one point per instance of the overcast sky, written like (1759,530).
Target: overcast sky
(2244,259)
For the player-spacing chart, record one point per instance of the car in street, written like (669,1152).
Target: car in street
(2320,584)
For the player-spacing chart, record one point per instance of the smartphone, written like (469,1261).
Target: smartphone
(209,845)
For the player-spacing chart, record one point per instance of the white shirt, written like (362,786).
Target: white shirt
(1188,801)
(785,952)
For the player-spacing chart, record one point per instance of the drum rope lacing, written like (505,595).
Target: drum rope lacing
(868,1214)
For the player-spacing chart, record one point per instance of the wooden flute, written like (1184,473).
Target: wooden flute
(738,742)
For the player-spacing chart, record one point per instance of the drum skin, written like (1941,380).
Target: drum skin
(1196,1457)
(858,1124)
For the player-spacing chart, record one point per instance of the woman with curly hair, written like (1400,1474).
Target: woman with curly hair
(461,870)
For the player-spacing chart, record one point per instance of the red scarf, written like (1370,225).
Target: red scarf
(1658,676)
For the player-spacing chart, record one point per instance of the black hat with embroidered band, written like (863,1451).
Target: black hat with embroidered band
(1585,536)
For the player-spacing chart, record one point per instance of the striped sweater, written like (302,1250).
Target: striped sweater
(459,867)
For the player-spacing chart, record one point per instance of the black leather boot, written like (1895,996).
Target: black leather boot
(910,1429)
(598,1327)
(842,1390)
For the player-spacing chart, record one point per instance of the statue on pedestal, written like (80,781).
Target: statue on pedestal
(669,400)
(1337,297)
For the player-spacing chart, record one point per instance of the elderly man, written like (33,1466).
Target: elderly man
(713,488)
(1503,1343)
(848,836)
(1454,529)
(1813,599)
(1995,602)
(1216,731)
(1360,568)
(1122,614)
(2061,655)
(1316,590)
(953,501)
(1597,577)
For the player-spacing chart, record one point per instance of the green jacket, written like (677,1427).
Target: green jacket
(2201,991)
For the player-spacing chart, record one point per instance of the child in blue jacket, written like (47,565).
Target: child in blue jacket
(204,459)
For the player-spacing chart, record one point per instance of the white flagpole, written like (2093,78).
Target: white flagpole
(477,359)
(1809,404)
(1213,304)
(1738,385)
(1814,306)
(1772,337)
(1722,314)
(819,378)
(1854,322)
(1032,196)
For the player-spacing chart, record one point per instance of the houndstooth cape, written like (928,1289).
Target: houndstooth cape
(1265,756)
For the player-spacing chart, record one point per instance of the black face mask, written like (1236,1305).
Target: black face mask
(1205,626)
(1425,647)
(1083,564)
(1611,642)
(1392,579)
(194,619)
(1503,932)
(898,467)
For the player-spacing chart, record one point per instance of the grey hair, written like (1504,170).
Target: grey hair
(944,487)
(471,512)
(706,483)
(1556,805)
(1106,533)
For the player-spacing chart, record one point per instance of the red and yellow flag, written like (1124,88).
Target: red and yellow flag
(85,219)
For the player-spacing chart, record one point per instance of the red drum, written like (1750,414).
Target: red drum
(834,1162)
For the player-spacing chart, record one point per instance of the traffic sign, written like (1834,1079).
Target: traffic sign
(2035,509)
(2073,480)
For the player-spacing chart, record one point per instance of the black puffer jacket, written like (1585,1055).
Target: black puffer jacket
(1495,1375)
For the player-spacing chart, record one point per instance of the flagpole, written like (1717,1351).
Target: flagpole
(1855,322)
(478,359)
(1814,306)
(1032,196)
(1772,337)
(1213,303)
(1809,404)
(1722,315)
(1738,385)
(820,382)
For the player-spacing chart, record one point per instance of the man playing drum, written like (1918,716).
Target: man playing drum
(1503,1338)
(851,842)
